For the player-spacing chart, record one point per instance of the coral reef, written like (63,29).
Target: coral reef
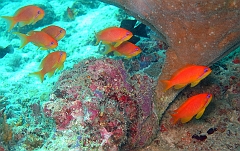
(100,101)
(24,126)
(6,130)
(150,61)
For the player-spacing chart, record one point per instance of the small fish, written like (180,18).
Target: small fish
(53,61)
(189,74)
(126,49)
(70,13)
(3,51)
(113,36)
(194,105)
(24,16)
(38,38)
(55,31)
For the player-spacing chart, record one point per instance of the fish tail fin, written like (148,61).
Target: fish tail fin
(38,74)
(108,49)
(24,39)
(10,22)
(174,119)
(167,84)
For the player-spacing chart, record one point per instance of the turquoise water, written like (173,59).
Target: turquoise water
(19,92)
(31,111)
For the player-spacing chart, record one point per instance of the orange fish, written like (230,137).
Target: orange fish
(55,31)
(38,38)
(113,35)
(50,63)
(24,16)
(190,74)
(194,105)
(126,49)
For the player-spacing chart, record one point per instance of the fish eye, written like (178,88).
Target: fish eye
(136,49)
(39,12)
(208,96)
(206,70)
(61,53)
(61,31)
(52,43)
(128,33)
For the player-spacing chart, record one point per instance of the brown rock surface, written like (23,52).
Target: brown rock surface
(197,32)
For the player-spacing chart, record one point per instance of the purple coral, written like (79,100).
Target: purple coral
(114,110)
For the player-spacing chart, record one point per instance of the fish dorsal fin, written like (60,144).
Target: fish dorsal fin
(195,83)
(186,119)
(179,86)
(199,115)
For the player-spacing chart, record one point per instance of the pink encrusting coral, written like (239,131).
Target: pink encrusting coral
(114,109)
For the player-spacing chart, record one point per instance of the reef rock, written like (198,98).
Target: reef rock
(100,101)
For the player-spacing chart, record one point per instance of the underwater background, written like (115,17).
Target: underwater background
(99,101)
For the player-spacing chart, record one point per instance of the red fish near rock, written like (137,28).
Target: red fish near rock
(189,74)
(52,62)
(194,105)
(113,36)
(24,16)
(55,31)
(126,49)
(38,38)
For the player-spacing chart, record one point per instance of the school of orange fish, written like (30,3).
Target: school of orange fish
(115,40)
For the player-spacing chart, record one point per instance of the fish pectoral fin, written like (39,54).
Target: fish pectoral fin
(179,86)
(118,43)
(117,53)
(195,83)
(199,115)
(108,49)
(55,66)
(43,48)
(186,119)
(128,57)
(50,74)
(23,23)
(60,67)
